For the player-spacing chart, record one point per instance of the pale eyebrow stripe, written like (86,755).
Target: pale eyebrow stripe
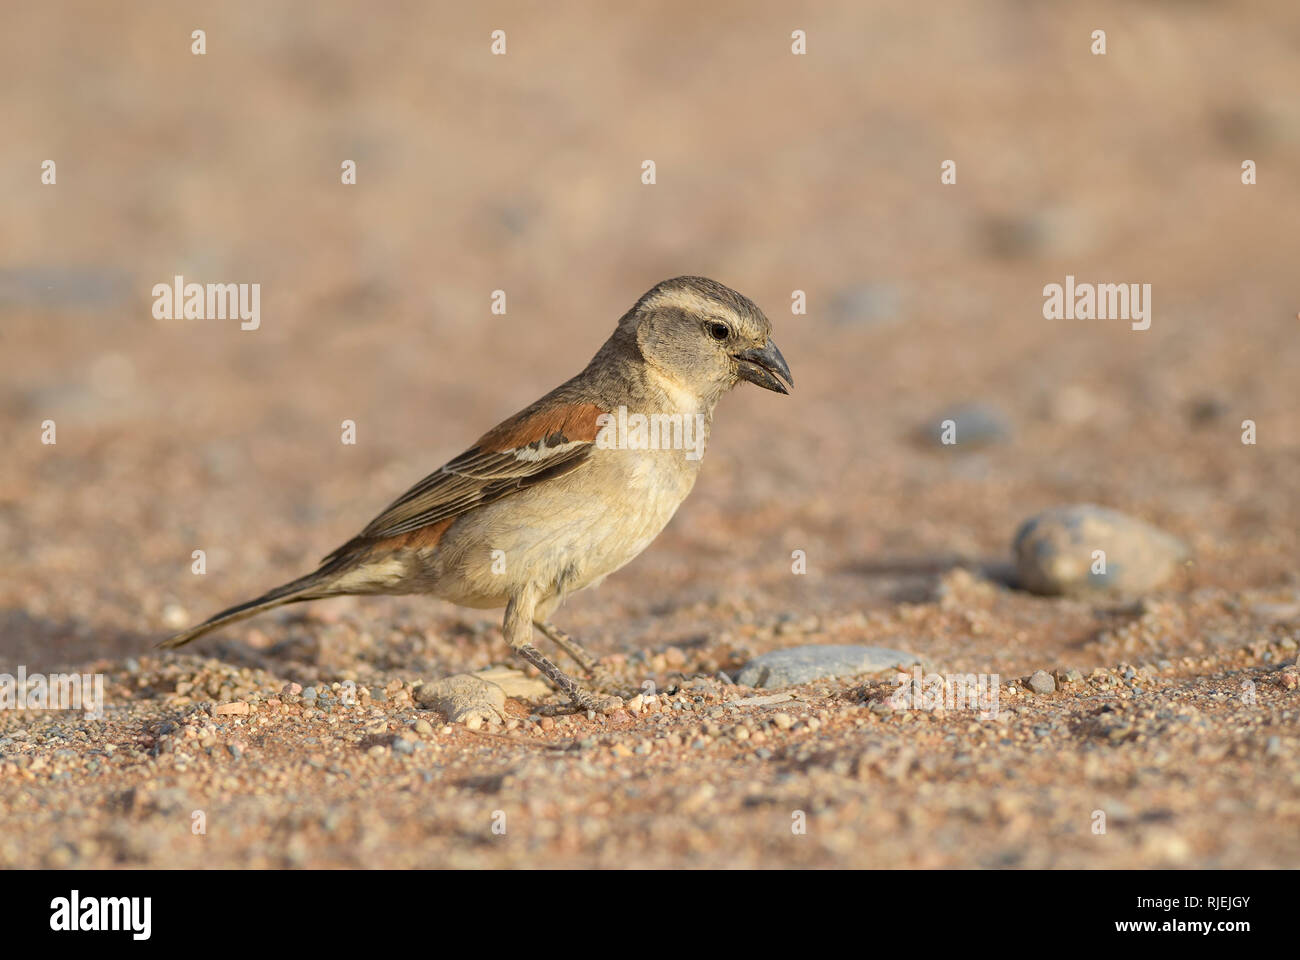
(688,301)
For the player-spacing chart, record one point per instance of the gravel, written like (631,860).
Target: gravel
(799,665)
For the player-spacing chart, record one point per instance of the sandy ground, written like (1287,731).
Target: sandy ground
(775,173)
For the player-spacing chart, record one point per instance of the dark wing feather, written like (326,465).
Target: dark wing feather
(469,481)
(542,443)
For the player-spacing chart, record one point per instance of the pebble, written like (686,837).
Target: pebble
(1042,682)
(1276,612)
(866,303)
(796,665)
(760,701)
(464,698)
(236,709)
(422,727)
(1046,232)
(175,616)
(973,425)
(1206,409)
(1054,552)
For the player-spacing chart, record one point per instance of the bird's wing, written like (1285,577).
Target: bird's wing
(547,440)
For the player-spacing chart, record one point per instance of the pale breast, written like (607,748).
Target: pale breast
(639,492)
(559,536)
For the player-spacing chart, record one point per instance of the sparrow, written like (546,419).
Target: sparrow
(568,490)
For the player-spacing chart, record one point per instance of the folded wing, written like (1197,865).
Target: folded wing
(548,440)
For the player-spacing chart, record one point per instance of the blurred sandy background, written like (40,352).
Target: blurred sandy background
(522,172)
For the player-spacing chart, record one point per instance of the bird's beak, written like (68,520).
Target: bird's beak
(763,366)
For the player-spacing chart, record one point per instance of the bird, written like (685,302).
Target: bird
(565,492)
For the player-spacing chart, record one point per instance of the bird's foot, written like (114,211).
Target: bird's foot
(583,701)
(580,697)
(595,701)
(598,678)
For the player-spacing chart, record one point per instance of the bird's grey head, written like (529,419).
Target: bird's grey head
(706,336)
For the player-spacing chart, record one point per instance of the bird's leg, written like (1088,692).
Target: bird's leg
(559,679)
(570,646)
(590,664)
(518,630)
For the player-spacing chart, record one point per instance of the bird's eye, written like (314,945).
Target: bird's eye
(719,330)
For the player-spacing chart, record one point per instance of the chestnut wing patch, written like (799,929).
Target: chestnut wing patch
(539,444)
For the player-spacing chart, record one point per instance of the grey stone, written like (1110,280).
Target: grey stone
(1206,409)
(1054,552)
(796,665)
(868,304)
(55,286)
(1276,612)
(1042,682)
(974,425)
(760,701)
(1042,233)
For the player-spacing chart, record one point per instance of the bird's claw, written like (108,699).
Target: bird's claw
(584,700)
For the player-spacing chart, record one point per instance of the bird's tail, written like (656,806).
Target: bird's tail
(314,586)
